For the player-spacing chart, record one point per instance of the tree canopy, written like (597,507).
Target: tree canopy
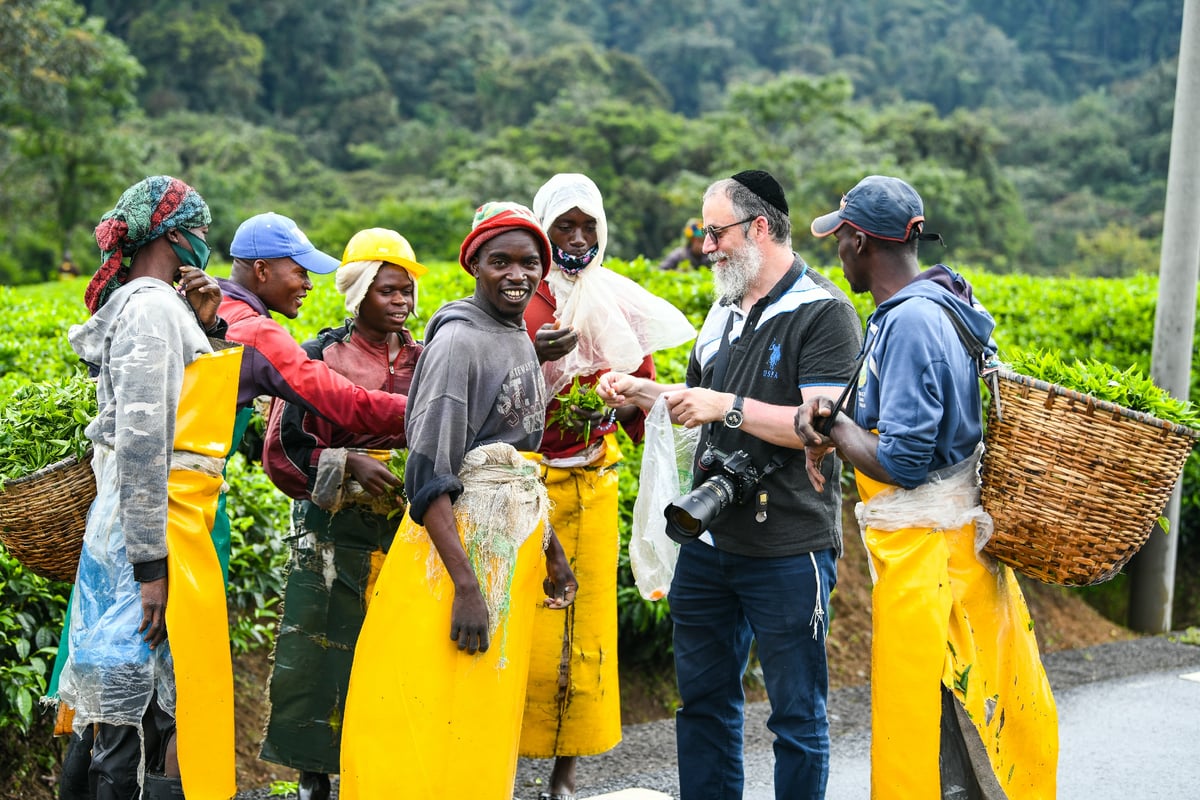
(1038,137)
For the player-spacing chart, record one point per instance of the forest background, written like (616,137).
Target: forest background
(1037,133)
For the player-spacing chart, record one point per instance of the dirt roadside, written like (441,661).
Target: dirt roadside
(1062,619)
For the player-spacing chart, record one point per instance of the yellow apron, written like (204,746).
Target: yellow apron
(425,720)
(197,619)
(573,704)
(940,617)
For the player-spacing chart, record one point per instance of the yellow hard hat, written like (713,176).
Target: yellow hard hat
(381,244)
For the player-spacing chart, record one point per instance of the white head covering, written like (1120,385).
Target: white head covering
(565,191)
(354,278)
(618,322)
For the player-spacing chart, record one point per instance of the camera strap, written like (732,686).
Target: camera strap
(721,359)
(721,366)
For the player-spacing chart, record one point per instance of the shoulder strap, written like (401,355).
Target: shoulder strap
(989,373)
(975,348)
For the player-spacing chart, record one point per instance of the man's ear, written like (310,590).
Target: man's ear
(860,242)
(473,266)
(262,270)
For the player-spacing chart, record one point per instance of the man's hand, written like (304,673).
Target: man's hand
(552,343)
(373,475)
(154,612)
(202,291)
(469,620)
(694,407)
(813,456)
(812,423)
(585,420)
(560,584)
(617,389)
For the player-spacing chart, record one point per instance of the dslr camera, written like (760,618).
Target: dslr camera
(734,480)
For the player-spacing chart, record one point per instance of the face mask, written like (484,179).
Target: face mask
(197,256)
(573,265)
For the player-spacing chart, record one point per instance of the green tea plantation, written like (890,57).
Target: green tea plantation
(1103,319)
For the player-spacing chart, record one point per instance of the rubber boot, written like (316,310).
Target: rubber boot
(160,787)
(313,786)
(73,779)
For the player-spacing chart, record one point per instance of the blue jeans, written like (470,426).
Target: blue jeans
(720,602)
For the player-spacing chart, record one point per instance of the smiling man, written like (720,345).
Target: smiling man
(443,656)
(273,260)
(759,565)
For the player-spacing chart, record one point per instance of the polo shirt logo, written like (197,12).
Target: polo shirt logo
(775,354)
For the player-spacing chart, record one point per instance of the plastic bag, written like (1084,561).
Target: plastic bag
(618,322)
(667,457)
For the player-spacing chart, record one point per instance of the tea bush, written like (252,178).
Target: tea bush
(1105,319)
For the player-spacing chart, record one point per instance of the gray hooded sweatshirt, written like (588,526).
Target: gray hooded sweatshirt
(477,382)
(140,341)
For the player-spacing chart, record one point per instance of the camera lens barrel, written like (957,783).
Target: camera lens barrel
(693,513)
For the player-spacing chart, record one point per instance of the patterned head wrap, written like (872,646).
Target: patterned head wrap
(146,211)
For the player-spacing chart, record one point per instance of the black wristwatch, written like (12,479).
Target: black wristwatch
(734,416)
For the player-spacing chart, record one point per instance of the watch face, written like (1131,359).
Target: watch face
(733,418)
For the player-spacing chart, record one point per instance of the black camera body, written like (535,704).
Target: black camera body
(734,483)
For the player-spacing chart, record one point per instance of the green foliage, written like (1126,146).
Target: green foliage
(43,423)
(1116,251)
(63,148)
(216,66)
(283,788)
(259,526)
(31,612)
(575,409)
(401,113)
(1129,388)
(1106,320)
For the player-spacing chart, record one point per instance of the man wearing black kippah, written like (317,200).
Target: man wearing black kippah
(759,544)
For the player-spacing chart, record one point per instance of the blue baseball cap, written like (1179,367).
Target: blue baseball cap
(273,235)
(879,206)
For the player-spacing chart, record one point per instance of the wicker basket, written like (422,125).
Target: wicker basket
(43,516)
(1074,484)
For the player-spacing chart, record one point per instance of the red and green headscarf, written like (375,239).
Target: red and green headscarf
(146,211)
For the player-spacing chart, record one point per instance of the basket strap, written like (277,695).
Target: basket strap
(988,372)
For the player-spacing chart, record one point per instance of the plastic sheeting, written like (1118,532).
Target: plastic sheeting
(618,322)
(667,456)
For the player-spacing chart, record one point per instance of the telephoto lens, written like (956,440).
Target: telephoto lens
(694,512)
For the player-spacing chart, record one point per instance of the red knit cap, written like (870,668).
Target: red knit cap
(493,219)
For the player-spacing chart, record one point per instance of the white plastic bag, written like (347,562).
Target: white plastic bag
(667,457)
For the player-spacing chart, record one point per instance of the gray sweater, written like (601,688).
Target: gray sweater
(477,382)
(140,341)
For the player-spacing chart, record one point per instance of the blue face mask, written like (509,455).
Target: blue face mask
(197,256)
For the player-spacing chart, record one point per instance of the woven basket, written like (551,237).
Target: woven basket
(1074,484)
(43,516)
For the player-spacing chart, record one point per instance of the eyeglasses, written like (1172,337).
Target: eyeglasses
(715,231)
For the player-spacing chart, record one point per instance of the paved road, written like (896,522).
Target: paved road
(1129,729)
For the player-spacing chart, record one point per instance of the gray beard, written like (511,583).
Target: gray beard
(733,279)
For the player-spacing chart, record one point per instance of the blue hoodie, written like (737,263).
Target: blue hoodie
(918,386)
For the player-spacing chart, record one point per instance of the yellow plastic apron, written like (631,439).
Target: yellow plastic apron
(197,619)
(425,720)
(573,704)
(940,617)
